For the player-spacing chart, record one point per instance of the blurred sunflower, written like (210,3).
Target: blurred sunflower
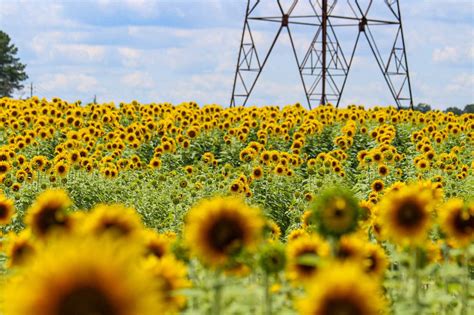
(218,228)
(82,276)
(170,275)
(114,219)
(48,212)
(272,257)
(406,214)
(7,209)
(304,256)
(335,211)
(457,221)
(375,260)
(157,245)
(343,289)
(19,247)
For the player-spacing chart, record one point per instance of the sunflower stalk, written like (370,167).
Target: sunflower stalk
(465,295)
(268,297)
(416,281)
(218,286)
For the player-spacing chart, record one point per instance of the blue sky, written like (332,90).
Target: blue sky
(182,50)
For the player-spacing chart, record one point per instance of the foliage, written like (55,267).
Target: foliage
(12,71)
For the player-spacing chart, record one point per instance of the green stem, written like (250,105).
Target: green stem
(216,305)
(465,295)
(416,280)
(267,295)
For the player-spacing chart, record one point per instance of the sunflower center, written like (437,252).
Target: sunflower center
(463,225)
(372,263)
(224,234)
(47,219)
(156,250)
(307,268)
(410,215)
(3,211)
(341,306)
(345,252)
(19,253)
(115,227)
(86,301)
(338,213)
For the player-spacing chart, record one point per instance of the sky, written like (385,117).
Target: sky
(186,50)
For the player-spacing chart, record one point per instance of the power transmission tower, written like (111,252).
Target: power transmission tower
(325,66)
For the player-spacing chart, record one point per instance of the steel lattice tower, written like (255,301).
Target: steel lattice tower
(325,66)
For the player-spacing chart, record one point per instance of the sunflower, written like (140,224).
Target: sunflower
(375,260)
(377,185)
(257,172)
(350,248)
(457,221)
(295,234)
(82,276)
(19,247)
(170,275)
(48,212)
(306,219)
(61,168)
(335,211)
(114,219)
(272,230)
(383,170)
(7,210)
(4,167)
(406,214)
(218,228)
(303,256)
(343,289)
(157,245)
(272,258)
(155,163)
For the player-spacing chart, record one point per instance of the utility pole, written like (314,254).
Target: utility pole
(324,23)
(325,66)
(31,89)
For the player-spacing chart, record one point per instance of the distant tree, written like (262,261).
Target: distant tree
(454,110)
(422,107)
(469,109)
(12,71)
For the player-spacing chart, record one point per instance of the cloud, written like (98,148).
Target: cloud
(130,57)
(453,54)
(461,83)
(137,79)
(57,83)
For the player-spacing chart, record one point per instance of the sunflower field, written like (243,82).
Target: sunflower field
(146,209)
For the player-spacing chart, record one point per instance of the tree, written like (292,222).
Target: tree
(422,107)
(469,109)
(12,71)
(454,110)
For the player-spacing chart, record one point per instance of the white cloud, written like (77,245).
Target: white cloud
(453,54)
(80,52)
(462,83)
(59,82)
(130,57)
(138,79)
